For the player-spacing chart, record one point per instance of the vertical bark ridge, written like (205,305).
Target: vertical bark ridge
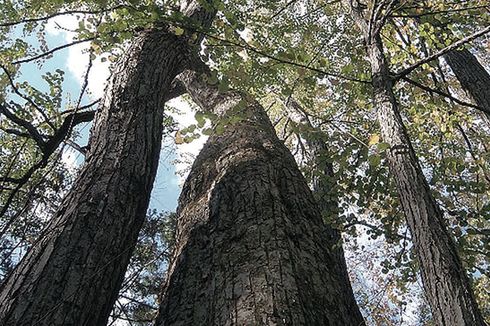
(250,246)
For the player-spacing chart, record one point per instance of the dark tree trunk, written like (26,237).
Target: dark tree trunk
(323,191)
(445,281)
(250,246)
(472,76)
(72,275)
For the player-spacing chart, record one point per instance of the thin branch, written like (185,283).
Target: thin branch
(26,98)
(83,107)
(33,132)
(69,12)
(284,61)
(440,53)
(430,13)
(283,8)
(53,50)
(439,92)
(382,20)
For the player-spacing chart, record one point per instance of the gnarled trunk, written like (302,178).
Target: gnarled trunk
(251,247)
(72,275)
(472,76)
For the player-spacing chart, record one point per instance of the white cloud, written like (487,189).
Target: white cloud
(78,56)
(186,152)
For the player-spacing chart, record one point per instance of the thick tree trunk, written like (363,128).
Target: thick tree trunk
(250,246)
(72,274)
(472,76)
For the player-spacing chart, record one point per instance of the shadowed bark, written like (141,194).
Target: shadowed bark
(323,190)
(472,76)
(251,245)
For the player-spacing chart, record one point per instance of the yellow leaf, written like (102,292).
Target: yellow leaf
(373,140)
(178,31)
(178,138)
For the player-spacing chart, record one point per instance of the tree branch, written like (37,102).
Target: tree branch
(69,12)
(61,47)
(449,96)
(33,132)
(284,61)
(440,53)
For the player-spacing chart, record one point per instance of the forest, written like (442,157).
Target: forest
(334,162)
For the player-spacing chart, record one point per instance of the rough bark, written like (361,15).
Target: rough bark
(445,281)
(250,246)
(72,275)
(472,76)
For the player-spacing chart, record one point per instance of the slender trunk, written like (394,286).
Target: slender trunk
(72,275)
(445,281)
(327,199)
(250,246)
(472,76)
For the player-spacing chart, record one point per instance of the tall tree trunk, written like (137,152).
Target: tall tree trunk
(472,76)
(250,246)
(445,281)
(322,187)
(72,275)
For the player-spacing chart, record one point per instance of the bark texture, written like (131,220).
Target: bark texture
(472,76)
(250,246)
(72,274)
(445,281)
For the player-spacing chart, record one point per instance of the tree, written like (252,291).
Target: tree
(445,281)
(73,272)
(250,244)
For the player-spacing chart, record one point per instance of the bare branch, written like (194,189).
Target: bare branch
(33,132)
(439,92)
(26,98)
(68,12)
(53,50)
